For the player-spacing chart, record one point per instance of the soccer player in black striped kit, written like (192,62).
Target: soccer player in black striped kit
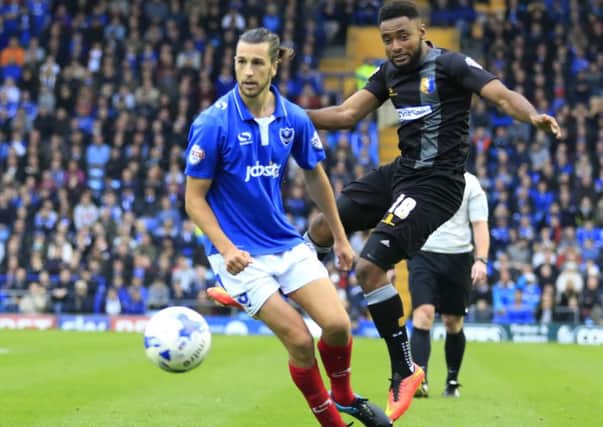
(404,201)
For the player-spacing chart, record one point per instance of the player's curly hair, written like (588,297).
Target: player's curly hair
(263,35)
(397,9)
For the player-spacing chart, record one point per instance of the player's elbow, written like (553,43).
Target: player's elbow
(346,117)
(350,120)
(190,204)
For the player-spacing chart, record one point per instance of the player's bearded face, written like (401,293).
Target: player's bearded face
(403,41)
(253,68)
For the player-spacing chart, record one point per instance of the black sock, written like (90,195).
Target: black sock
(455,349)
(420,347)
(386,315)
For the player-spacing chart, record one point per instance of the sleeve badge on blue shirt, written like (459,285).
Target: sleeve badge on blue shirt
(286,135)
(316,142)
(196,154)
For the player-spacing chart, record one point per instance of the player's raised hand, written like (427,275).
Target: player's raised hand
(344,254)
(236,260)
(547,123)
(478,272)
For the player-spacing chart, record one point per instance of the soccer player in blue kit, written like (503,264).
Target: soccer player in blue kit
(237,153)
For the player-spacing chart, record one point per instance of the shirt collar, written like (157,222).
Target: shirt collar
(245,114)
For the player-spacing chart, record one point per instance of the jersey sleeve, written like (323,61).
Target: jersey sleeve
(307,148)
(478,202)
(467,72)
(202,153)
(376,84)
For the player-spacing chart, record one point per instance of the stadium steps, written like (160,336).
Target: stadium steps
(338,73)
(492,7)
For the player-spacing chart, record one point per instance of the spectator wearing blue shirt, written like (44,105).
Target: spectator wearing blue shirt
(530,289)
(503,296)
(519,312)
(542,199)
(97,156)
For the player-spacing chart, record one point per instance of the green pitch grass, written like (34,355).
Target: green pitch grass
(59,378)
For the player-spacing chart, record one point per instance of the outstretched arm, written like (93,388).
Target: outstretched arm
(321,193)
(518,107)
(347,114)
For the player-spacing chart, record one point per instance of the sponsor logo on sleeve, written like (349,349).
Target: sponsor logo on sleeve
(316,142)
(196,154)
(472,63)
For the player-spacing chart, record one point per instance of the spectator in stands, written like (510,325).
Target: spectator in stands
(61,291)
(79,300)
(546,310)
(591,301)
(85,213)
(139,295)
(503,296)
(35,300)
(569,280)
(518,312)
(112,303)
(159,295)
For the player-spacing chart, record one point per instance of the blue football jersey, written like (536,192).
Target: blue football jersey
(246,159)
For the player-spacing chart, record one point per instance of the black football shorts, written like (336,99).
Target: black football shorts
(442,280)
(402,207)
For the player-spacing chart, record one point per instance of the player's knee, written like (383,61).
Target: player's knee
(300,346)
(453,324)
(370,276)
(319,231)
(423,316)
(337,331)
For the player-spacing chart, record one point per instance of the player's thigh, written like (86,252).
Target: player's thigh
(362,203)
(320,300)
(419,207)
(306,281)
(422,279)
(455,285)
(298,267)
(286,323)
(251,287)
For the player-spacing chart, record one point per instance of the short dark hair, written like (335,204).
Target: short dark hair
(263,35)
(398,9)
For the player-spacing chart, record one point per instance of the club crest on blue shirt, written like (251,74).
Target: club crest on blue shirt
(427,84)
(286,135)
(196,154)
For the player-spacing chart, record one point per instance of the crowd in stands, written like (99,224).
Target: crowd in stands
(545,195)
(96,98)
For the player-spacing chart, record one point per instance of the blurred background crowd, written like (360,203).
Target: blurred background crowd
(96,98)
